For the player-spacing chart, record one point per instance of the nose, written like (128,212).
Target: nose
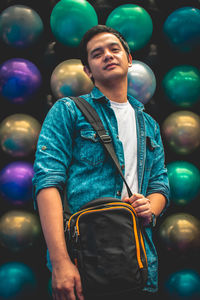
(108,55)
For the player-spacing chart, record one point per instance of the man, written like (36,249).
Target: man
(70,158)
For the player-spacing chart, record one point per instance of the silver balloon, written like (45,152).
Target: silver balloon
(69,79)
(141,81)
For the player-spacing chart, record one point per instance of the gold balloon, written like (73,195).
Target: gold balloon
(180,234)
(69,79)
(181,130)
(19,230)
(19,134)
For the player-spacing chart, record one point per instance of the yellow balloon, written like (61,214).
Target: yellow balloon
(69,79)
(181,130)
(19,134)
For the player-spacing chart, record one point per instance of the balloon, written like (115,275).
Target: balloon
(19,230)
(19,134)
(141,81)
(17,281)
(70,19)
(16,182)
(179,235)
(181,29)
(69,79)
(181,85)
(181,130)
(184,180)
(20,80)
(183,285)
(133,22)
(20,26)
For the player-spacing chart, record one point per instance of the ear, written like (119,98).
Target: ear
(87,71)
(130,60)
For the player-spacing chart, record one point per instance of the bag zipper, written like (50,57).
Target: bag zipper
(134,229)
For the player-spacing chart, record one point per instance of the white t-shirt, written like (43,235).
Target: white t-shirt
(125,115)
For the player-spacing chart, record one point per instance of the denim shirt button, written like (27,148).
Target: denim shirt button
(118,193)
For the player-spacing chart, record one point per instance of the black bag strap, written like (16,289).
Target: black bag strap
(93,118)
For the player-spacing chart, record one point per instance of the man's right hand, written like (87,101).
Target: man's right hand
(66,281)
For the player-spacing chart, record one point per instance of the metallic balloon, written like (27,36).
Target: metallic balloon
(16,182)
(20,26)
(181,130)
(20,80)
(184,180)
(69,79)
(141,81)
(19,230)
(179,235)
(17,281)
(181,85)
(70,19)
(133,22)
(19,134)
(182,29)
(183,284)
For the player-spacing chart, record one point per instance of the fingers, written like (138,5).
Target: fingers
(78,287)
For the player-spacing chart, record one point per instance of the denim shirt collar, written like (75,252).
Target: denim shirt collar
(96,94)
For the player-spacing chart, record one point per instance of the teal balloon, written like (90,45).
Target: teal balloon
(182,29)
(133,22)
(70,19)
(184,181)
(17,281)
(181,86)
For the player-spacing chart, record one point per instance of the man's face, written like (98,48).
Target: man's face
(107,58)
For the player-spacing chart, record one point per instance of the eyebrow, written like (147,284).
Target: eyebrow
(100,48)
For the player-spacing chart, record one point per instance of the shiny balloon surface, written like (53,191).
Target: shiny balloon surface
(183,284)
(19,230)
(182,29)
(179,234)
(70,19)
(17,281)
(69,79)
(181,130)
(141,81)
(133,22)
(181,85)
(20,80)
(19,134)
(20,26)
(16,182)
(184,180)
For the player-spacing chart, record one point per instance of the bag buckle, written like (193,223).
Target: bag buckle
(105,138)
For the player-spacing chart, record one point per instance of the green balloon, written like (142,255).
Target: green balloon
(184,181)
(181,85)
(70,19)
(133,22)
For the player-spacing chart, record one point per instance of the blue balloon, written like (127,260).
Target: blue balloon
(182,29)
(20,26)
(17,281)
(16,182)
(20,80)
(183,285)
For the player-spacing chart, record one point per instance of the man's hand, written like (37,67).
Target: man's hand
(66,282)
(142,207)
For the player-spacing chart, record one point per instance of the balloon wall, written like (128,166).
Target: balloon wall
(40,63)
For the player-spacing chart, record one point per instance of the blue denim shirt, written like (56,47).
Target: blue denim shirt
(70,156)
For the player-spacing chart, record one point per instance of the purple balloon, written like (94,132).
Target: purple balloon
(20,80)
(16,182)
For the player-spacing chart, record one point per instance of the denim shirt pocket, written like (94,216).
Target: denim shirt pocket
(91,149)
(151,148)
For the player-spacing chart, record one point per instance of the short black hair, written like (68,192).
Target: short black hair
(94,31)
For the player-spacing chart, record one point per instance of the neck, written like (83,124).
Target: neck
(114,91)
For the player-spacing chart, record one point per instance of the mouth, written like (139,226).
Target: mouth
(110,66)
